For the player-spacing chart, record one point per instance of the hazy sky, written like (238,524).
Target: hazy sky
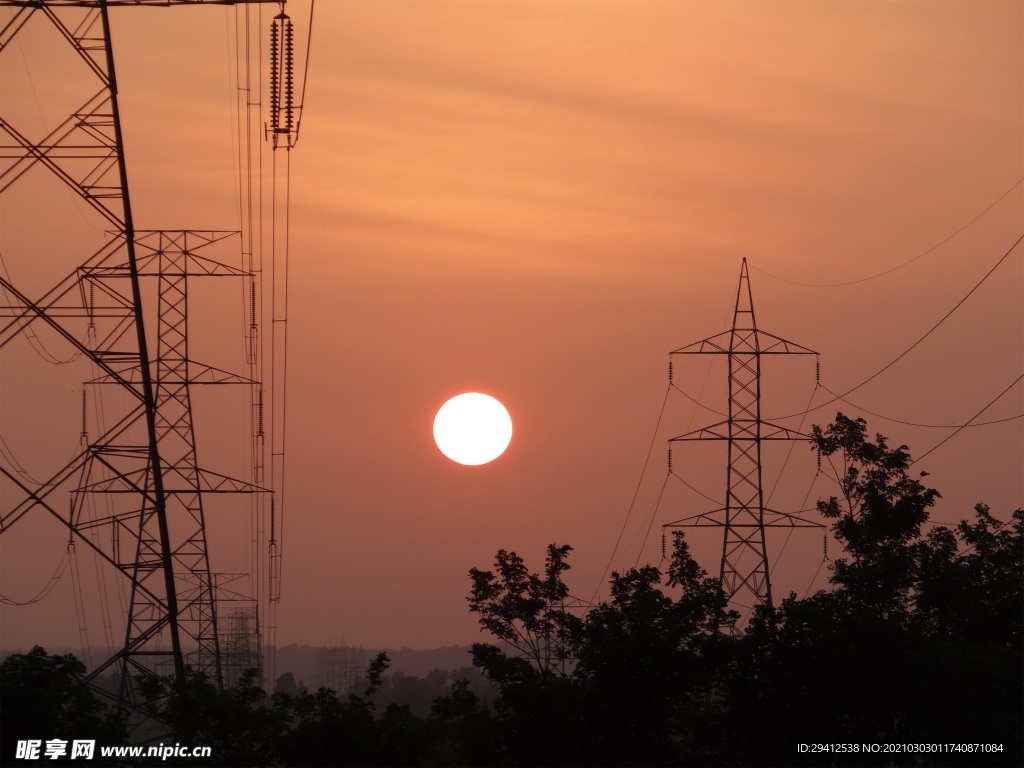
(540,200)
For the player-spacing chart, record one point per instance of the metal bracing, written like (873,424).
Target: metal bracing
(744,569)
(115,464)
(143,464)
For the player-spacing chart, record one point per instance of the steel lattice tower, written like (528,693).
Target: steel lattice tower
(151,526)
(744,570)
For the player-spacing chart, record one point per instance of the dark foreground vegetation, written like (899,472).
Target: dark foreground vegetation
(916,646)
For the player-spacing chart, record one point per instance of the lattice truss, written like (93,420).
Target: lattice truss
(744,569)
(133,492)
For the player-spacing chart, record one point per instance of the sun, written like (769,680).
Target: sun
(472,429)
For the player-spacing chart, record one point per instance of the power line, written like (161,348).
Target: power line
(964,426)
(305,74)
(696,490)
(920,424)
(904,264)
(842,397)
(632,503)
(698,403)
(927,333)
(650,524)
(58,573)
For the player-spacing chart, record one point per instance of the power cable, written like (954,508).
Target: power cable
(927,333)
(1001,524)
(694,489)
(46,127)
(778,479)
(917,423)
(650,525)
(792,443)
(814,578)
(900,266)
(632,503)
(62,566)
(890,364)
(697,402)
(939,444)
(25,327)
(8,454)
(305,74)
(964,426)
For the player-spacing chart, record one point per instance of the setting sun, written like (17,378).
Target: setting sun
(472,429)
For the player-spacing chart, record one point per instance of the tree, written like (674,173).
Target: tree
(469,733)
(536,706)
(916,641)
(45,696)
(527,612)
(970,587)
(324,730)
(627,684)
(287,684)
(646,663)
(880,515)
(235,723)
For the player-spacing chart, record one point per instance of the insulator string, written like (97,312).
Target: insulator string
(275,85)
(85,433)
(273,517)
(259,405)
(288,75)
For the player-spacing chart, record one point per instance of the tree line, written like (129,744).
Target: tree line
(915,646)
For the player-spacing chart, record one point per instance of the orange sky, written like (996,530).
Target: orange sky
(539,200)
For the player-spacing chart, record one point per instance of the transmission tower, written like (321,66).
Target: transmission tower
(135,491)
(237,643)
(744,570)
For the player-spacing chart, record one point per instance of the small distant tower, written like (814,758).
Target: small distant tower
(239,650)
(745,570)
(341,667)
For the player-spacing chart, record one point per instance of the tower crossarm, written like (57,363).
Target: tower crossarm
(198,373)
(721,431)
(757,341)
(716,519)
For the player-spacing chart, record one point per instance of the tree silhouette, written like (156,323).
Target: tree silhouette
(527,612)
(44,696)
(976,596)
(626,684)
(881,513)
(234,723)
(889,653)
(644,663)
(917,640)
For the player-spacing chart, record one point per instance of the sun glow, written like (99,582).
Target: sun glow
(472,429)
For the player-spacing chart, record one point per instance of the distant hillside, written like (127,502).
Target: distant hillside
(306,662)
